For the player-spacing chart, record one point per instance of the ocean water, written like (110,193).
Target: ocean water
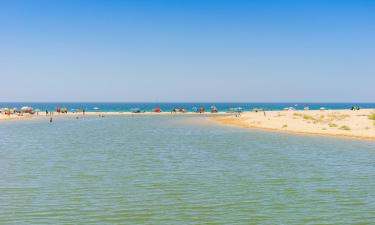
(179,170)
(167,107)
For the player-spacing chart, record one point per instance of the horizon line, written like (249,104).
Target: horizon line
(268,102)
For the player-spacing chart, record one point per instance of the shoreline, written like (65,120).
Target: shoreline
(15,117)
(276,130)
(330,123)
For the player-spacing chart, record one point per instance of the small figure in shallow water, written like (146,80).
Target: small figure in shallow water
(50,120)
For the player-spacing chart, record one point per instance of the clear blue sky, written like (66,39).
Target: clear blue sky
(213,50)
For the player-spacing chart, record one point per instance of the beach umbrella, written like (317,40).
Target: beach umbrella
(5,110)
(157,110)
(135,110)
(26,109)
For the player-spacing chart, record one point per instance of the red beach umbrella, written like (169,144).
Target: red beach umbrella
(158,110)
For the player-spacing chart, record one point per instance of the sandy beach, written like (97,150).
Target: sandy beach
(41,115)
(339,123)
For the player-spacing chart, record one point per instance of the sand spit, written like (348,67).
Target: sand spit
(339,123)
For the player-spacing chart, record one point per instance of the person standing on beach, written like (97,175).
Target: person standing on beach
(83,110)
(46,112)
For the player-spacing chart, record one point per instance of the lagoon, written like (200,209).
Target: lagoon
(179,170)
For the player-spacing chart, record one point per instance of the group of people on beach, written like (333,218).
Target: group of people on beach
(194,109)
(60,110)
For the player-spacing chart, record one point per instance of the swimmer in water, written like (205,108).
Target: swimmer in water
(50,120)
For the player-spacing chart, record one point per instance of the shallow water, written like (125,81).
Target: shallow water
(179,170)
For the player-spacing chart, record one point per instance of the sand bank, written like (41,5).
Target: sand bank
(339,123)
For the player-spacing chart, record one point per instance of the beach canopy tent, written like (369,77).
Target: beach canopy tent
(236,110)
(63,110)
(214,109)
(27,109)
(181,110)
(355,108)
(135,110)
(95,108)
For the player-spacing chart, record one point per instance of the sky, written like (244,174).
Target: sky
(187,51)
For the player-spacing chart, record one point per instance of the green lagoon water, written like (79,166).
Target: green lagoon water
(179,170)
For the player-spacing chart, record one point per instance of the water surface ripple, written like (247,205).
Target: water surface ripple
(172,170)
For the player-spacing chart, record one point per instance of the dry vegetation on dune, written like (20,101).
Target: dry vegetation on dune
(372,116)
(344,127)
(322,118)
(332,125)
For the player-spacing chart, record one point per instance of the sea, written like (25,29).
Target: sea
(179,170)
(167,107)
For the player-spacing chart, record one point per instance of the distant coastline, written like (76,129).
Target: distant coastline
(359,124)
(168,106)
